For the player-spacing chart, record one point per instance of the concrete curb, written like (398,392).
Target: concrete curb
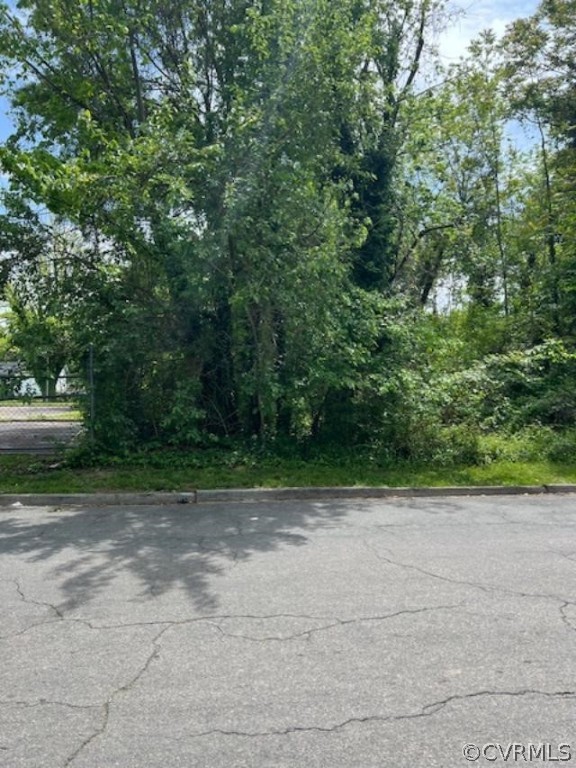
(94,499)
(255,495)
(560,488)
(361,492)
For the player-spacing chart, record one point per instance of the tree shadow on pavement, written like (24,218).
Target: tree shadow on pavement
(85,550)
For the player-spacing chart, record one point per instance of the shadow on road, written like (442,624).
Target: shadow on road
(163,547)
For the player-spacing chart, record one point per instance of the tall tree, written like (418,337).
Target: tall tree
(230,166)
(540,55)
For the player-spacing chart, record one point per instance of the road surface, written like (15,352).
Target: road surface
(291,635)
(28,428)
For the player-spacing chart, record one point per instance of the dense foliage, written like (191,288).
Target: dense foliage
(281,221)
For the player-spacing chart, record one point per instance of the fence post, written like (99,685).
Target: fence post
(91,395)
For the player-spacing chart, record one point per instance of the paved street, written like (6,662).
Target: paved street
(16,436)
(302,635)
(30,428)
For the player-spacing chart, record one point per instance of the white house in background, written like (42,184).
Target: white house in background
(10,370)
(13,370)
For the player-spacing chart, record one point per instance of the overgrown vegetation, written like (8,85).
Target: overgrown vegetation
(175,472)
(283,224)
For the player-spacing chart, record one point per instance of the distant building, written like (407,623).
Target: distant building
(15,382)
(11,369)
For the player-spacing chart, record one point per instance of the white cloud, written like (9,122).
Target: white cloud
(470,18)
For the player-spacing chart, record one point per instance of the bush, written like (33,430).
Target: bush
(563,447)
(529,444)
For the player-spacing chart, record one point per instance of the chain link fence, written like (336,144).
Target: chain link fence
(42,416)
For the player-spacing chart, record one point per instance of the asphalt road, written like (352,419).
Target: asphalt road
(40,410)
(28,428)
(333,635)
(24,436)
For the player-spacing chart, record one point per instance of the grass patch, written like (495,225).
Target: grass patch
(33,417)
(29,474)
(38,403)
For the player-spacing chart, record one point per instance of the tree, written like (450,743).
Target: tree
(540,65)
(41,342)
(38,325)
(229,166)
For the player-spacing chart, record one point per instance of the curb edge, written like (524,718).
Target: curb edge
(254,495)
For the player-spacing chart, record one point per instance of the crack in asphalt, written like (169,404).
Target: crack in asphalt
(61,618)
(486,588)
(105,708)
(566,555)
(101,730)
(20,632)
(429,710)
(213,619)
(46,703)
(40,603)
(336,623)
(163,627)
(565,618)
(439,705)
(409,566)
(98,732)
(168,623)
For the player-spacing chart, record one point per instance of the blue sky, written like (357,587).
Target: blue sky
(4,120)
(474,16)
